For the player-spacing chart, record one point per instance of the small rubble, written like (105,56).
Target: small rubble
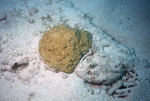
(33,11)
(3,16)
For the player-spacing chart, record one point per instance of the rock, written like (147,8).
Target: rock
(106,65)
(62,47)
(99,70)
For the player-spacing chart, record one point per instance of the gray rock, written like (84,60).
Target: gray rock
(108,63)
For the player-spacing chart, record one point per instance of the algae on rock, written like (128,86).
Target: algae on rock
(62,47)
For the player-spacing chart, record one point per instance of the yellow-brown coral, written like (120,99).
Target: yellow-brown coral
(62,47)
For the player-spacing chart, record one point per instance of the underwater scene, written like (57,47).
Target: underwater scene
(74,50)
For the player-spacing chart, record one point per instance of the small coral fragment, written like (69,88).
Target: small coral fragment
(62,47)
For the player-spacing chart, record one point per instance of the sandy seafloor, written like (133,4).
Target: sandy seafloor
(23,23)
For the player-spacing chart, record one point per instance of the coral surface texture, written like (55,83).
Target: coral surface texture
(62,47)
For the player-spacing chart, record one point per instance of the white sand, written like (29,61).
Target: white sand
(20,33)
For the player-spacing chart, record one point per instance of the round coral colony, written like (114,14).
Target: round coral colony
(62,47)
